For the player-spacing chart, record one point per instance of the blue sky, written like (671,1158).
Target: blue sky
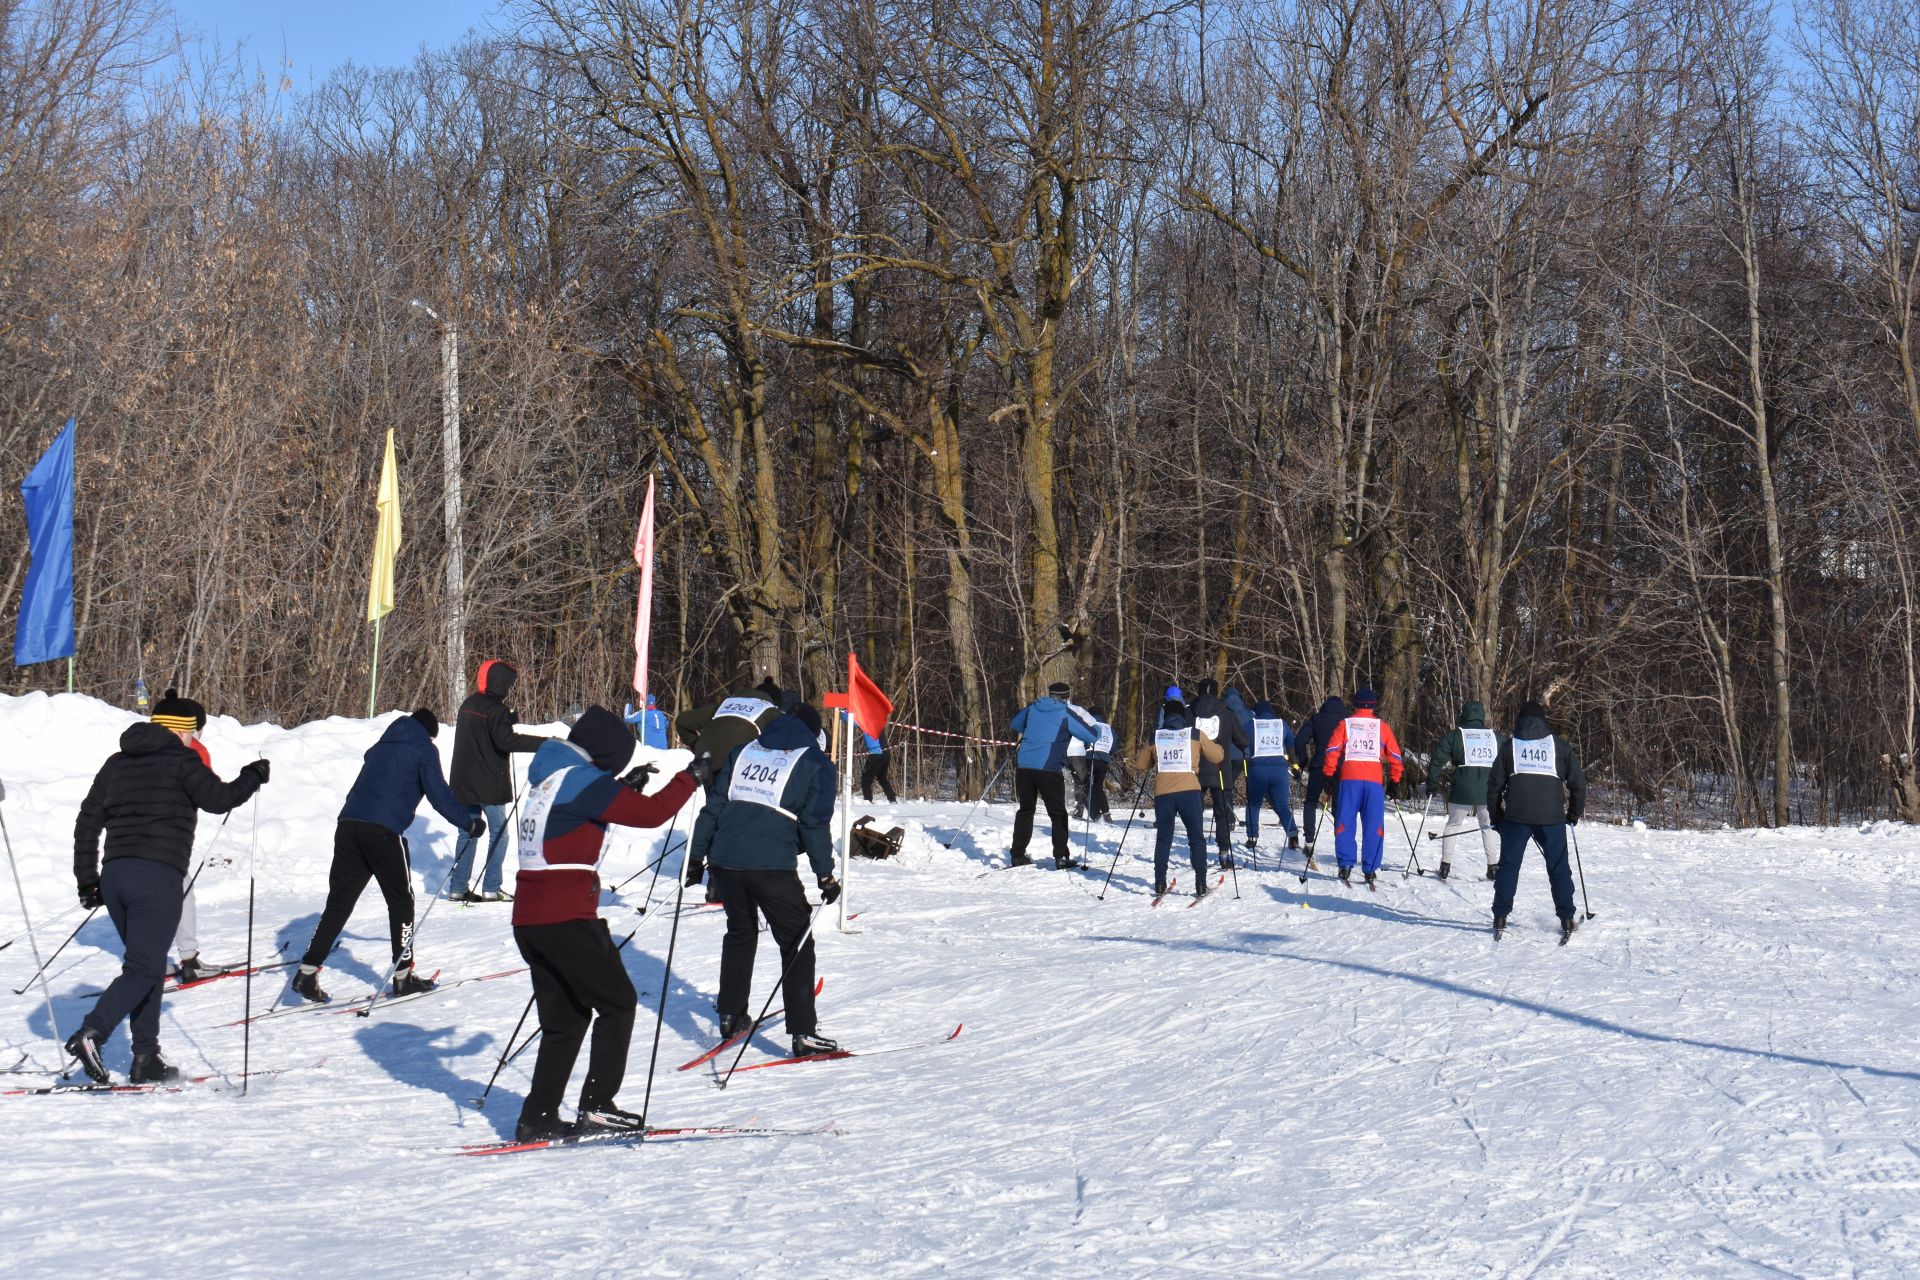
(317,37)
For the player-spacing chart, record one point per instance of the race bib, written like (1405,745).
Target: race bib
(1269,737)
(532,826)
(1209,725)
(1481,747)
(760,776)
(748,709)
(1173,751)
(1363,738)
(1535,755)
(1103,738)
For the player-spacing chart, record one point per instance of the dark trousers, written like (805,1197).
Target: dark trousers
(143,900)
(1185,807)
(1047,786)
(1220,800)
(576,974)
(364,851)
(1097,789)
(1318,784)
(875,770)
(777,895)
(1513,850)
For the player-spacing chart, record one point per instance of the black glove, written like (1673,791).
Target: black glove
(259,769)
(90,895)
(1498,812)
(829,889)
(1573,816)
(1294,771)
(702,769)
(696,871)
(477,825)
(638,776)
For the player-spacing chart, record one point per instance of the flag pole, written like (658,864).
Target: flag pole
(846,810)
(373,682)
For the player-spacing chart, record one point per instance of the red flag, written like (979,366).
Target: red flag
(643,622)
(870,707)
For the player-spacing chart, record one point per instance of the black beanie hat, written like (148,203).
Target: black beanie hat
(1531,708)
(769,689)
(804,712)
(605,738)
(1059,689)
(182,715)
(428,721)
(1207,688)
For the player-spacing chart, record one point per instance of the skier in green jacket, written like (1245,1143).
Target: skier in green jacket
(1469,753)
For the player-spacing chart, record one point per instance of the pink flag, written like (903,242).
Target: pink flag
(643,623)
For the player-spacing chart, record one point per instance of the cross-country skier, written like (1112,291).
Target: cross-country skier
(874,769)
(1044,726)
(1176,754)
(578,978)
(1079,766)
(1535,790)
(399,771)
(1468,752)
(1310,749)
(1172,696)
(1099,758)
(1361,749)
(1211,716)
(771,803)
(718,729)
(187,718)
(484,740)
(144,798)
(1267,765)
(1237,756)
(651,722)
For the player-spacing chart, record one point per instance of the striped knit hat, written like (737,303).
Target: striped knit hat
(182,715)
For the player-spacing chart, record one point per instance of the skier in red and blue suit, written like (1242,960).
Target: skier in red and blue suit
(1361,750)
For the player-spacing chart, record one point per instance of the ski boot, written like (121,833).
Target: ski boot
(1567,926)
(1019,860)
(408,982)
(1499,927)
(1445,867)
(1203,890)
(733,1024)
(546,1128)
(1293,842)
(1493,871)
(814,1045)
(1159,891)
(498,895)
(1371,884)
(151,1068)
(84,1045)
(607,1118)
(1065,864)
(194,969)
(1226,860)
(1346,875)
(306,985)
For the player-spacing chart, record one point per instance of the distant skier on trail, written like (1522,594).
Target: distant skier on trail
(144,799)
(650,722)
(1175,755)
(400,770)
(1535,790)
(484,740)
(578,976)
(1079,766)
(1468,752)
(1210,715)
(1361,750)
(1099,760)
(770,804)
(1310,750)
(1268,763)
(874,769)
(1044,726)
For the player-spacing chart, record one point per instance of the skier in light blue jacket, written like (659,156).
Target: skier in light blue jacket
(1045,725)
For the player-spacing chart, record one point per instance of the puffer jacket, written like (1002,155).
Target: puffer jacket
(1310,743)
(484,738)
(147,798)
(1545,787)
(1205,751)
(749,835)
(1469,782)
(399,771)
(1044,726)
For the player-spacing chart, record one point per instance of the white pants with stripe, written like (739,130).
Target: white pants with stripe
(1465,817)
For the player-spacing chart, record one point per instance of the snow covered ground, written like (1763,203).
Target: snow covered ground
(1718,1076)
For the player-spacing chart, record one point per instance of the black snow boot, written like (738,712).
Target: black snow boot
(547,1128)
(151,1068)
(85,1047)
(408,982)
(1444,868)
(814,1045)
(307,987)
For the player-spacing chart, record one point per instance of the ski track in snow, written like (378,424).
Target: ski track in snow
(1717,1077)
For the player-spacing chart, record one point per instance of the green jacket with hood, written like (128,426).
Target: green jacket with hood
(1469,784)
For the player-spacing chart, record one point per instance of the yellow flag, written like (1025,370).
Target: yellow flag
(386,539)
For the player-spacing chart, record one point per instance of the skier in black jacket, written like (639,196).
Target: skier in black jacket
(484,737)
(1309,750)
(1213,717)
(144,798)
(1536,790)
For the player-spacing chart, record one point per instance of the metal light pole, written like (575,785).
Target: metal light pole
(456,546)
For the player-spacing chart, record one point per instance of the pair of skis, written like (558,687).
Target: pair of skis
(181,1085)
(364,1004)
(1173,886)
(635,1137)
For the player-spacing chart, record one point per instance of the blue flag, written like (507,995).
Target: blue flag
(45,629)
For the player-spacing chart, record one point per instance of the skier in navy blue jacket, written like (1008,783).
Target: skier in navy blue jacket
(1044,726)
(400,770)
(1309,749)
(1272,744)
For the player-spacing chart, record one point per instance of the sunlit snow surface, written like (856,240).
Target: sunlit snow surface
(1718,1077)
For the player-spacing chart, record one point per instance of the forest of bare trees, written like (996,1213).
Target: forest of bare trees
(1468,348)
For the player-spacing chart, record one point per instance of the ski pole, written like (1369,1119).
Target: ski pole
(1574,831)
(1132,814)
(1414,859)
(1414,843)
(665,849)
(660,1011)
(659,862)
(36,928)
(246,1035)
(20,889)
(22,988)
(805,941)
(1464,831)
(407,952)
(984,793)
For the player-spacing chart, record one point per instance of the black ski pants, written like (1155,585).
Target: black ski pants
(875,770)
(1318,784)
(1046,786)
(364,851)
(1220,800)
(777,895)
(577,979)
(1097,789)
(142,898)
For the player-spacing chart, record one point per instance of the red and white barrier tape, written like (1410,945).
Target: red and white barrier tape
(942,733)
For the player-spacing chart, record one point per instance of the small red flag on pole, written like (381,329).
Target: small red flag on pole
(869,706)
(643,622)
